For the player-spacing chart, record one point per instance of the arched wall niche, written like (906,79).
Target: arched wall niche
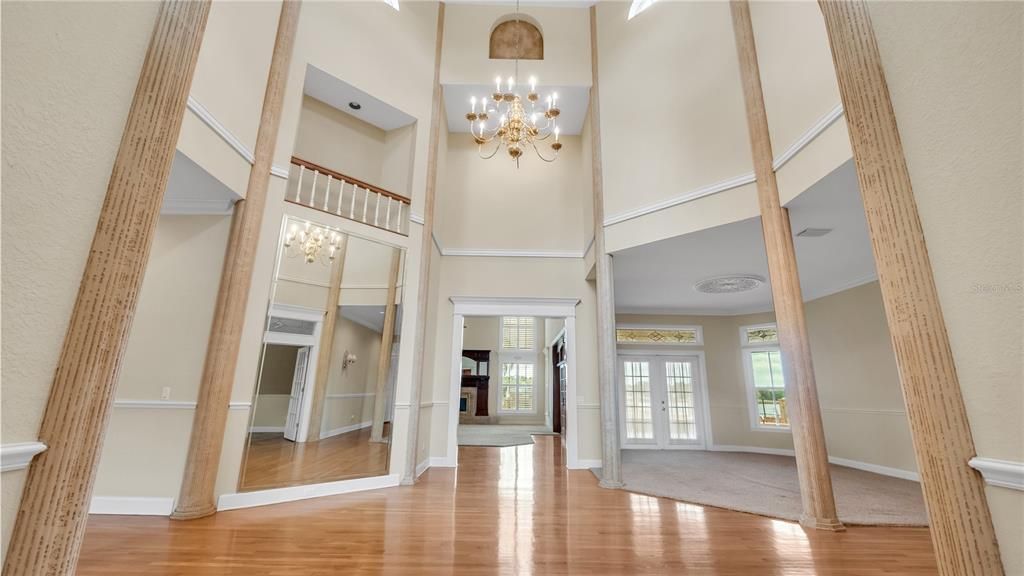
(514,31)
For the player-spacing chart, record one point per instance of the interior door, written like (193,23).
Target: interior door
(291,426)
(661,402)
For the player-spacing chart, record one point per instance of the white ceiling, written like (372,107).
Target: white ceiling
(192,190)
(659,277)
(572,101)
(337,93)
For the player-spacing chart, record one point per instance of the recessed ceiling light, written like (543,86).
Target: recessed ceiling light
(355,105)
(813,232)
(730,284)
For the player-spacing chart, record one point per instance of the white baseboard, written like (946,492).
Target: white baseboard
(867,467)
(345,429)
(441,462)
(292,493)
(586,464)
(267,429)
(132,505)
(422,467)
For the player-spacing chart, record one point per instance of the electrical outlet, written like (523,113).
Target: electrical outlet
(352,418)
(165,393)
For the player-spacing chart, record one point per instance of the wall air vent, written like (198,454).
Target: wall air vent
(813,232)
(729,284)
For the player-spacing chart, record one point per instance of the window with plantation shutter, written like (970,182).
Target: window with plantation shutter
(517,387)
(517,333)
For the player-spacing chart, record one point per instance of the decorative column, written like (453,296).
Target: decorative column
(959,519)
(611,454)
(819,508)
(387,339)
(426,251)
(323,362)
(197,498)
(48,531)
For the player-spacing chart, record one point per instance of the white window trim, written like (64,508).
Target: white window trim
(748,376)
(698,329)
(517,359)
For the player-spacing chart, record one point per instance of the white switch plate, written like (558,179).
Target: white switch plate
(165,393)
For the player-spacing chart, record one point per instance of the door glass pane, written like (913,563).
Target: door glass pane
(637,385)
(682,417)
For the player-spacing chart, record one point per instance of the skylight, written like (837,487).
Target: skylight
(637,7)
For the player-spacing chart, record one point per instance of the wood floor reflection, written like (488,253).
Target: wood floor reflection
(273,462)
(503,511)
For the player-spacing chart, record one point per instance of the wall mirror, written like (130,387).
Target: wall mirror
(324,396)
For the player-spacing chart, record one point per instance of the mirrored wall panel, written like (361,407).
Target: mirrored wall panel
(324,399)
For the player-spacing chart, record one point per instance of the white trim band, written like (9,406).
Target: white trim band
(807,137)
(19,456)
(292,493)
(1001,473)
(417,218)
(489,253)
(866,466)
(172,404)
(230,139)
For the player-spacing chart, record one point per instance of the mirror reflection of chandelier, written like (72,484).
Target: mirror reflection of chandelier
(312,242)
(520,125)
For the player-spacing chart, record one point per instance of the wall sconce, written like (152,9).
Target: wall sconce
(348,360)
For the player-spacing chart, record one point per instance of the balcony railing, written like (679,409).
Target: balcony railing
(332,192)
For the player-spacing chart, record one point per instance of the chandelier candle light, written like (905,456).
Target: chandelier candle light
(309,242)
(516,129)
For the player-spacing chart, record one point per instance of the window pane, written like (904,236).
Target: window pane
(517,333)
(656,335)
(769,388)
(682,416)
(639,418)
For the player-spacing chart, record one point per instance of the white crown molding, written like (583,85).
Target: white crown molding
(179,207)
(867,467)
(589,245)
(486,306)
(417,218)
(433,237)
(171,404)
(1001,473)
(802,142)
(489,253)
(18,456)
(292,493)
(682,198)
(807,137)
(352,395)
(227,136)
(132,505)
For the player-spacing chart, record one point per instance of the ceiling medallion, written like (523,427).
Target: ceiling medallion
(730,284)
(517,129)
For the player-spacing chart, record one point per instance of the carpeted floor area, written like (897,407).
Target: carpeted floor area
(497,434)
(767,485)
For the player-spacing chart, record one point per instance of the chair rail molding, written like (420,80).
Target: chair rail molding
(207,117)
(18,456)
(1001,473)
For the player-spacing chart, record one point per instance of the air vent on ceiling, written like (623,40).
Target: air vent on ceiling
(729,284)
(813,232)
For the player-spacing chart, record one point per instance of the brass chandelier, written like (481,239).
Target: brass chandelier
(311,242)
(517,128)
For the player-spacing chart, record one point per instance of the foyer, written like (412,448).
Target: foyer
(333,287)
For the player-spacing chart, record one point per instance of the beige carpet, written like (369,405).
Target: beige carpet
(498,434)
(767,485)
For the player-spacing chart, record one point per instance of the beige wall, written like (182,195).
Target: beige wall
(47,51)
(484,333)
(855,369)
(275,387)
(349,391)
(467,39)
(955,74)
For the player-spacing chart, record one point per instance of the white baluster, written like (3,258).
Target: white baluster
(312,190)
(341,195)
(327,193)
(366,204)
(398,225)
(298,188)
(352,206)
(387,216)
(376,209)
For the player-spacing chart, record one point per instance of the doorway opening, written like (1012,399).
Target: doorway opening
(664,401)
(502,373)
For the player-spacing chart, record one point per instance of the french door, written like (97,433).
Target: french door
(662,404)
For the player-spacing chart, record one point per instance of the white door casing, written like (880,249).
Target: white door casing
(664,401)
(291,426)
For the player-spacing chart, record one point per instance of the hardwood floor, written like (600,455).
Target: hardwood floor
(503,511)
(273,462)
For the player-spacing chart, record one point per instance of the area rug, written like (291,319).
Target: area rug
(767,485)
(497,434)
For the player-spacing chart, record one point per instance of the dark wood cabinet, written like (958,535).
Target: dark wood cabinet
(476,366)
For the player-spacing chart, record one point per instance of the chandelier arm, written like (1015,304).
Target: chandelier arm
(491,155)
(541,156)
